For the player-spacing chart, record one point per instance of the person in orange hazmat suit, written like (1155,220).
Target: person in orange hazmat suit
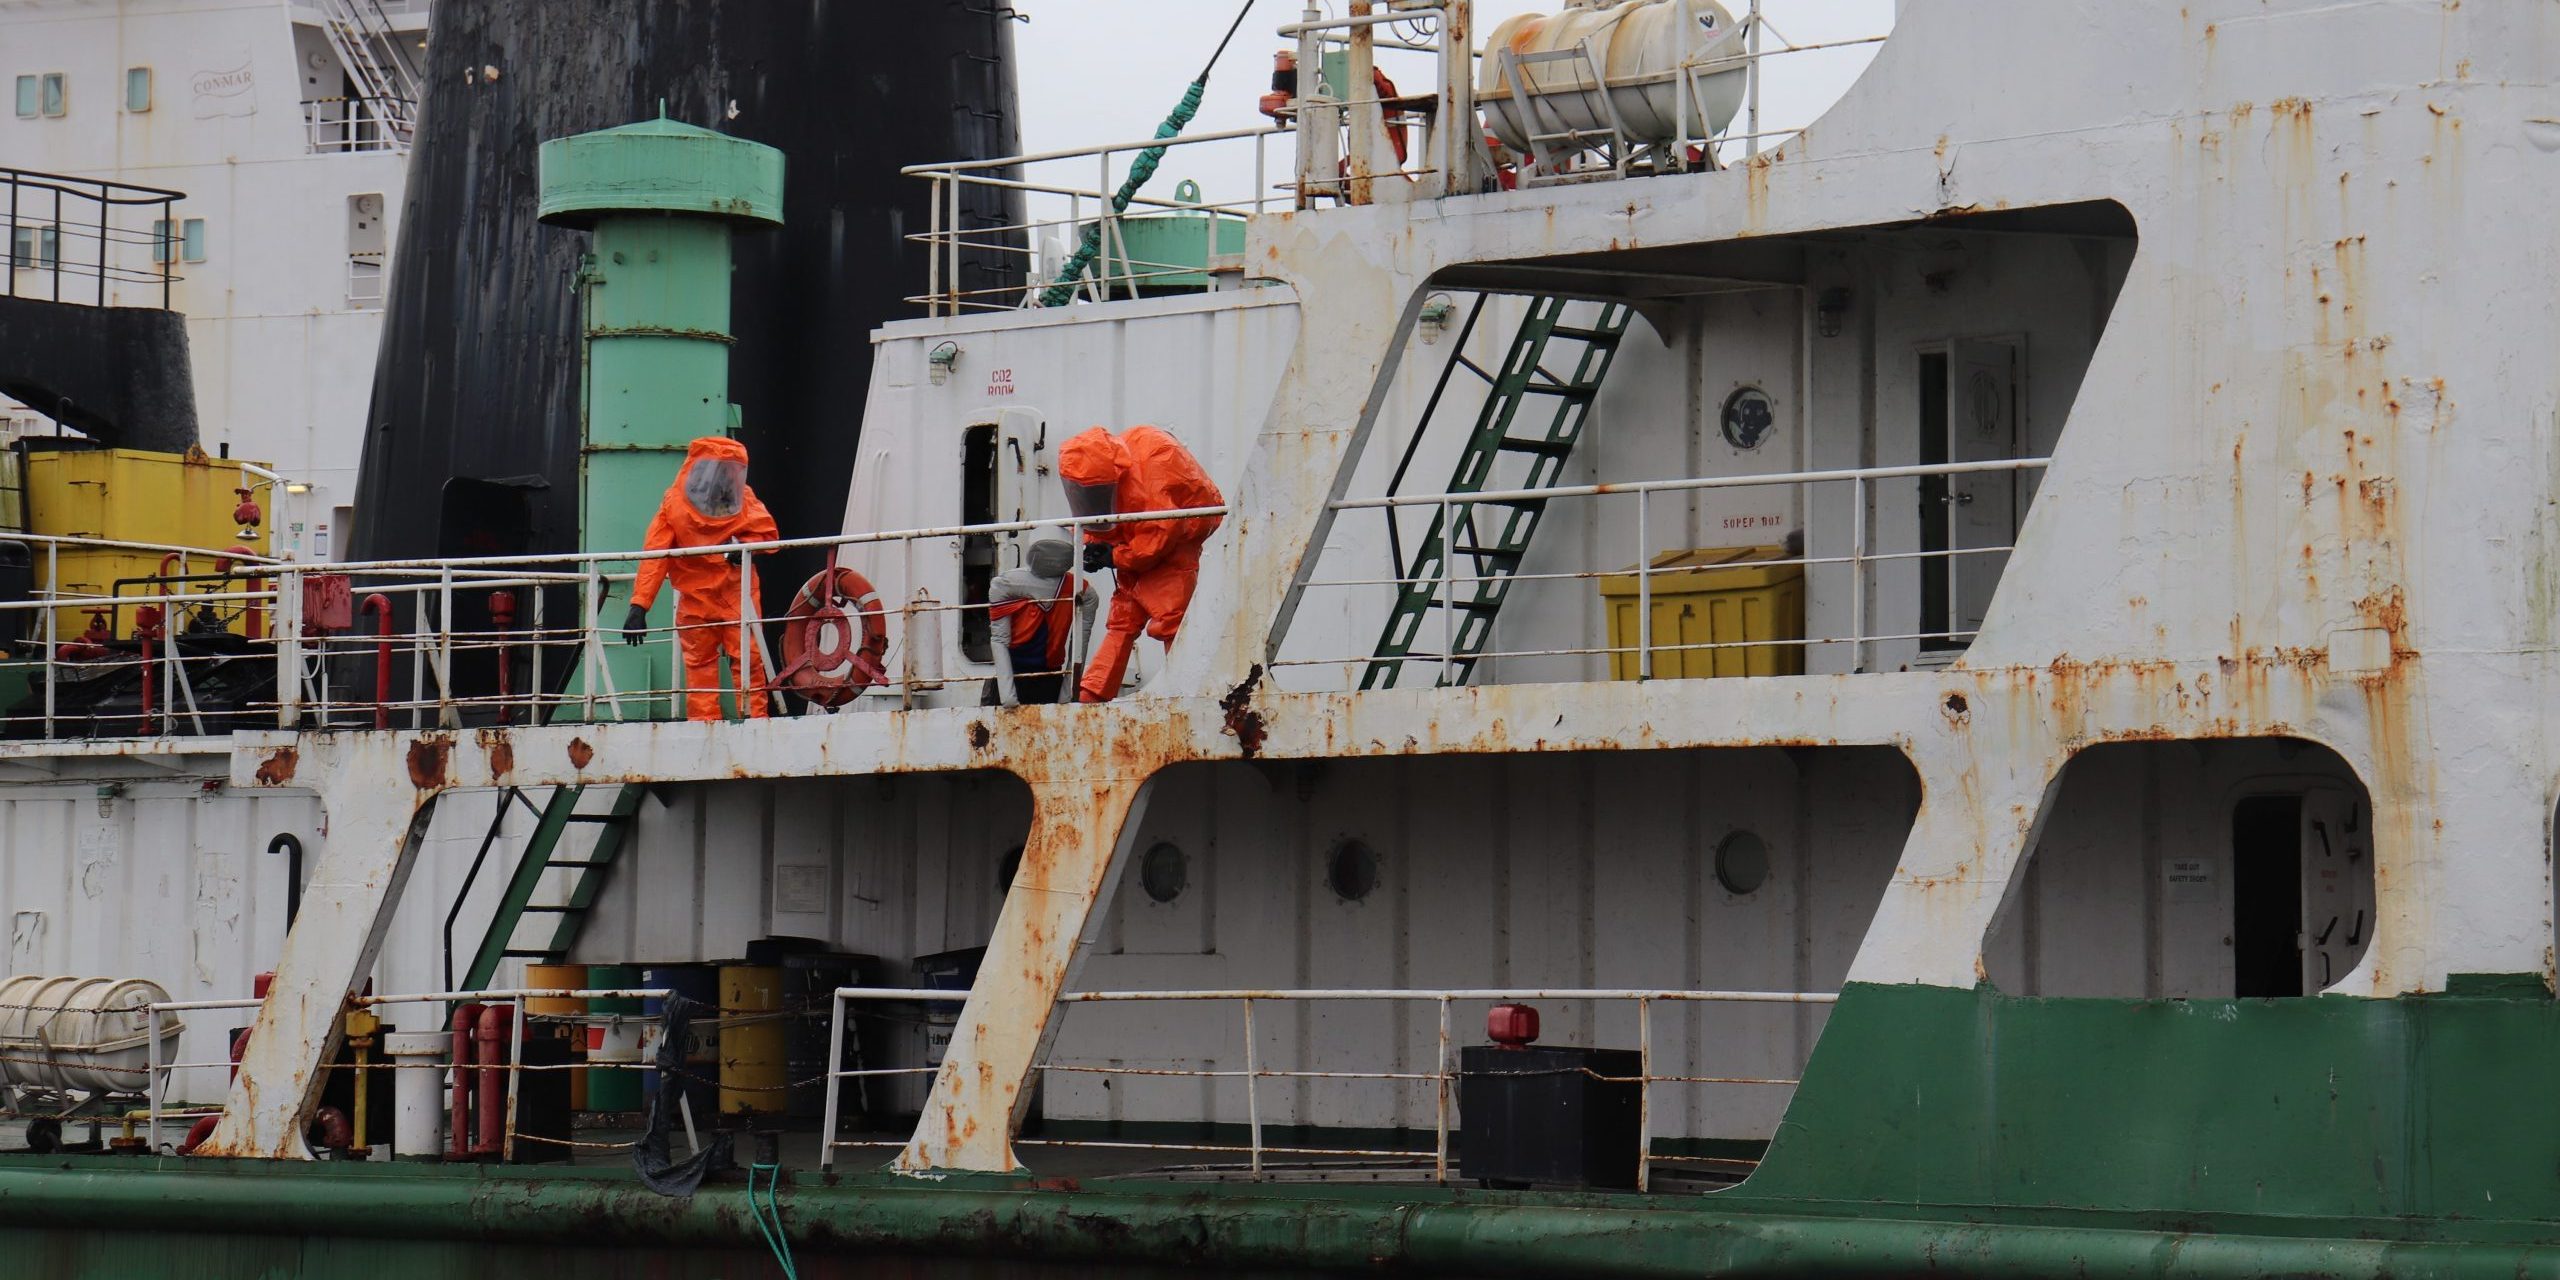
(709,505)
(1157,561)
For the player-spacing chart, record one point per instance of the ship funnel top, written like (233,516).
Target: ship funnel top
(660,166)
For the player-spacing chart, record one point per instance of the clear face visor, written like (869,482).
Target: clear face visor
(716,487)
(1089,500)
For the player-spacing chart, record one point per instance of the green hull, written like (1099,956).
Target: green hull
(1952,1132)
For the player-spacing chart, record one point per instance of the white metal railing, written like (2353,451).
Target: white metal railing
(1036,243)
(1443,1078)
(156,1107)
(233,608)
(338,126)
(1453,512)
(1341,151)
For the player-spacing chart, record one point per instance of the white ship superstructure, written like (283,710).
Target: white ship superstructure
(287,127)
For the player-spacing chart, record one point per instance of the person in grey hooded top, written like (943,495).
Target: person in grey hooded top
(1028,620)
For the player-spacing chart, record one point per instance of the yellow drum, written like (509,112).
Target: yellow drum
(754,1044)
(565,977)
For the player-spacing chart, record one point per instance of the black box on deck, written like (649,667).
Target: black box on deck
(1539,1116)
(542,1102)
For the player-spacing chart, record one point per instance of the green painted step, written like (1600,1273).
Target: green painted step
(540,858)
(1497,554)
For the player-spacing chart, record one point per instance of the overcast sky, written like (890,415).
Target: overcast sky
(1097,71)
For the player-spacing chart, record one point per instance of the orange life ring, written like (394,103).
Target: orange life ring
(821,660)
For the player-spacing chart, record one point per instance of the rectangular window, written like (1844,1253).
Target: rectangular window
(191,240)
(57,94)
(22,246)
(137,89)
(162,247)
(48,246)
(30,98)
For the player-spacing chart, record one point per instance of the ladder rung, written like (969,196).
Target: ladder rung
(576,862)
(514,954)
(595,817)
(1561,390)
(1512,554)
(1471,606)
(1585,335)
(1551,448)
(560,909)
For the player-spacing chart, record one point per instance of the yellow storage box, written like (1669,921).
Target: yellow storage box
(130,495)
(1706,599)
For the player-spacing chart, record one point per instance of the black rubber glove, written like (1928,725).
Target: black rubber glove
(635,624)
(1097,556)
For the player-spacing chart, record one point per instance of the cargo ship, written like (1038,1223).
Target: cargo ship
(1986,773)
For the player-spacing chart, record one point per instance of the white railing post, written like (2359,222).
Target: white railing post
(1644,588)
(1752,123)
(515,1077)
(288,628)
(447,714)
(1644,1095)
(535,689)
(52,628)
(1440,1144)
(745,661)
(1448,597)
(590,647)
(933,246)
(151,1082)
(1252,1093)
(1857,575)
(835,1080)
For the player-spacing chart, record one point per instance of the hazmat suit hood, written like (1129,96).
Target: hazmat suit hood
(1090,466)
(710,501)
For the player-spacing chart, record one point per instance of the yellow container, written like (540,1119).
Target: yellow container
(1706,599)
(129,495)
(754,1049)
(564,977)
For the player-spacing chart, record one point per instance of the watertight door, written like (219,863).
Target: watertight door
(1981,509)
(2337,886)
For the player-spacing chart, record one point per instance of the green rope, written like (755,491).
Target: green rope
(773,1237)
(1144,167)
(1063,289)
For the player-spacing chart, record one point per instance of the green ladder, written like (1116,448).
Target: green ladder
(544,853)
(1491,550)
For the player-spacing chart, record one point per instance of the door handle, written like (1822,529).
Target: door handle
(1956,499)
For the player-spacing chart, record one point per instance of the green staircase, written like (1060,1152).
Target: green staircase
(1532,418)
(555,924)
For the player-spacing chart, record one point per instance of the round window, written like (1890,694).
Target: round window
(1742,863)
(1165,872)
(1352,871)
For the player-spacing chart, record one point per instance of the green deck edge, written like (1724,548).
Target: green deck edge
(1957,1132)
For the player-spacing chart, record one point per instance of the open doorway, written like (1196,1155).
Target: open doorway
(2266,896)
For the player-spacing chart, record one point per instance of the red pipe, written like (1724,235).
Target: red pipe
(502,613)
(146,628)
(253,616)
(489,1112)
(458,1131)
(379,605)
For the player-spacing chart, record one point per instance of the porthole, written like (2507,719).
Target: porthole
(1742,863)
(1352,871)
(1006,867)
(1165,871)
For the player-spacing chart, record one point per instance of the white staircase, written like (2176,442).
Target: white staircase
(389,87)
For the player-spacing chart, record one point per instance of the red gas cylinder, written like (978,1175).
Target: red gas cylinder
(1513,1026)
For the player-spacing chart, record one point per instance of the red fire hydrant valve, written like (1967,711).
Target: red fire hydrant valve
(1512,1026)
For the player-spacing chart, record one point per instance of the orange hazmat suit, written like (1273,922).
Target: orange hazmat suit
(709,505)
(1157,561)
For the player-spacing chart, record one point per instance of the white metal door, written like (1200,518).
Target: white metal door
(1982,507)
(2337,887)
(1023,482)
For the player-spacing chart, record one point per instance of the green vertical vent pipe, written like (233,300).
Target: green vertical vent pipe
(662,198)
